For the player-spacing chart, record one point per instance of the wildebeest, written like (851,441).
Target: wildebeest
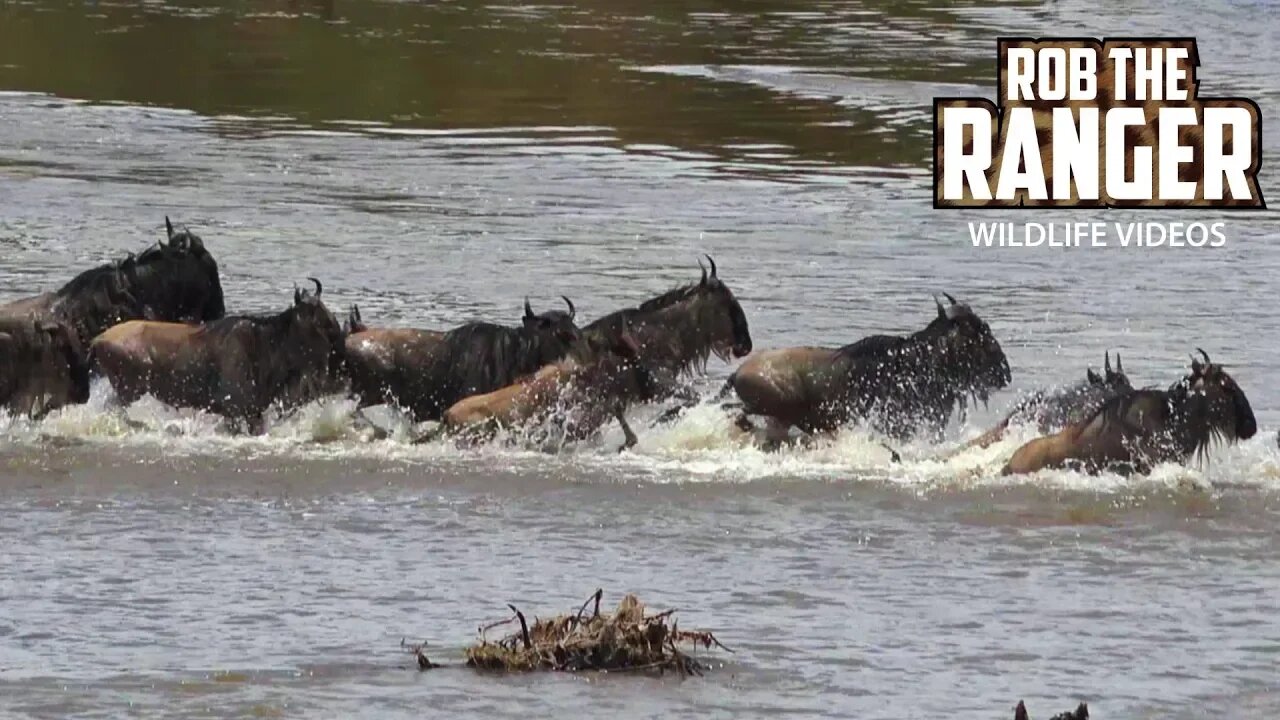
(1080,713)
(598,380)
(1136,430)
(900,384)
(679,330)
(1052,411)
(237,367)
(425,371)
(43,366)
(174,280)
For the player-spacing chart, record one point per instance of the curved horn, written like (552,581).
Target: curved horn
(704,271)
(948,297)
(168,226)
(1207,361)
(572,312)
(319,287)
(297,294)
(528,309)
(941,311)
(712,263)
(1107,362)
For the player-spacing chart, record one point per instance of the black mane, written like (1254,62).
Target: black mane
(902,382)
(617,318)
(177,281)
(873,347)
(1052,410)
(272,323)
(669,298)
(92,279)
(671,329)
(1177,423)
(481,357)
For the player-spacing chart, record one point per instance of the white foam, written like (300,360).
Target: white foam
(703,445)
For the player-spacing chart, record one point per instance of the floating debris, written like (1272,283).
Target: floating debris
(1081,713)
(626,640)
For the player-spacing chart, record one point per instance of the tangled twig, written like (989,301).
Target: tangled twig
(626,640)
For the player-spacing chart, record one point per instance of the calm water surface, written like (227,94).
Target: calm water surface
(436,162)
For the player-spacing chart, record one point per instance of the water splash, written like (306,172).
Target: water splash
(702,446)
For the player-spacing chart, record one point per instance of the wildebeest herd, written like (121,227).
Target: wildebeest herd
(156,324)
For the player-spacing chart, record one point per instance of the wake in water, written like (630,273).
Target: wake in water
(703,444)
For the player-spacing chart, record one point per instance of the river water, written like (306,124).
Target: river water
(436,162)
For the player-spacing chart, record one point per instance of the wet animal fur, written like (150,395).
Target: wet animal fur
(1136,430)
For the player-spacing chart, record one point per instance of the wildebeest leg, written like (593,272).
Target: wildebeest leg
(893,454)
(431,435)
(1126,469)
(41,411)
(671,414)
(359,420)
(776,434)
(685,397)
(743,423)
(627,433)
(124,392)
(983,441)
(677,410)
(255,424)
(118,402)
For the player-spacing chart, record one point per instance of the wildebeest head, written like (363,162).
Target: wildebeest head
(1212,404)
(723,316)
(176,279)
(552,324)
(968,348)
(1111,380)
(317,329)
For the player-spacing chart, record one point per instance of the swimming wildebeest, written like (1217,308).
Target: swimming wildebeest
(1081,713)
(679,330)
(237,367)
(1136,430)
(424,371)
(174,280)
(900,384)
(43,366)
(598,380)
(1052,411)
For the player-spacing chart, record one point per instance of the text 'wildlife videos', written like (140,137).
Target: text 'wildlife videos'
(1098,234)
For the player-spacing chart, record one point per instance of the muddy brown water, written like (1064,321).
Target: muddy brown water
(436,162)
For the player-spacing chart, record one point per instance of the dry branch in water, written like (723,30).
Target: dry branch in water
(625,640)
(1081,713)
